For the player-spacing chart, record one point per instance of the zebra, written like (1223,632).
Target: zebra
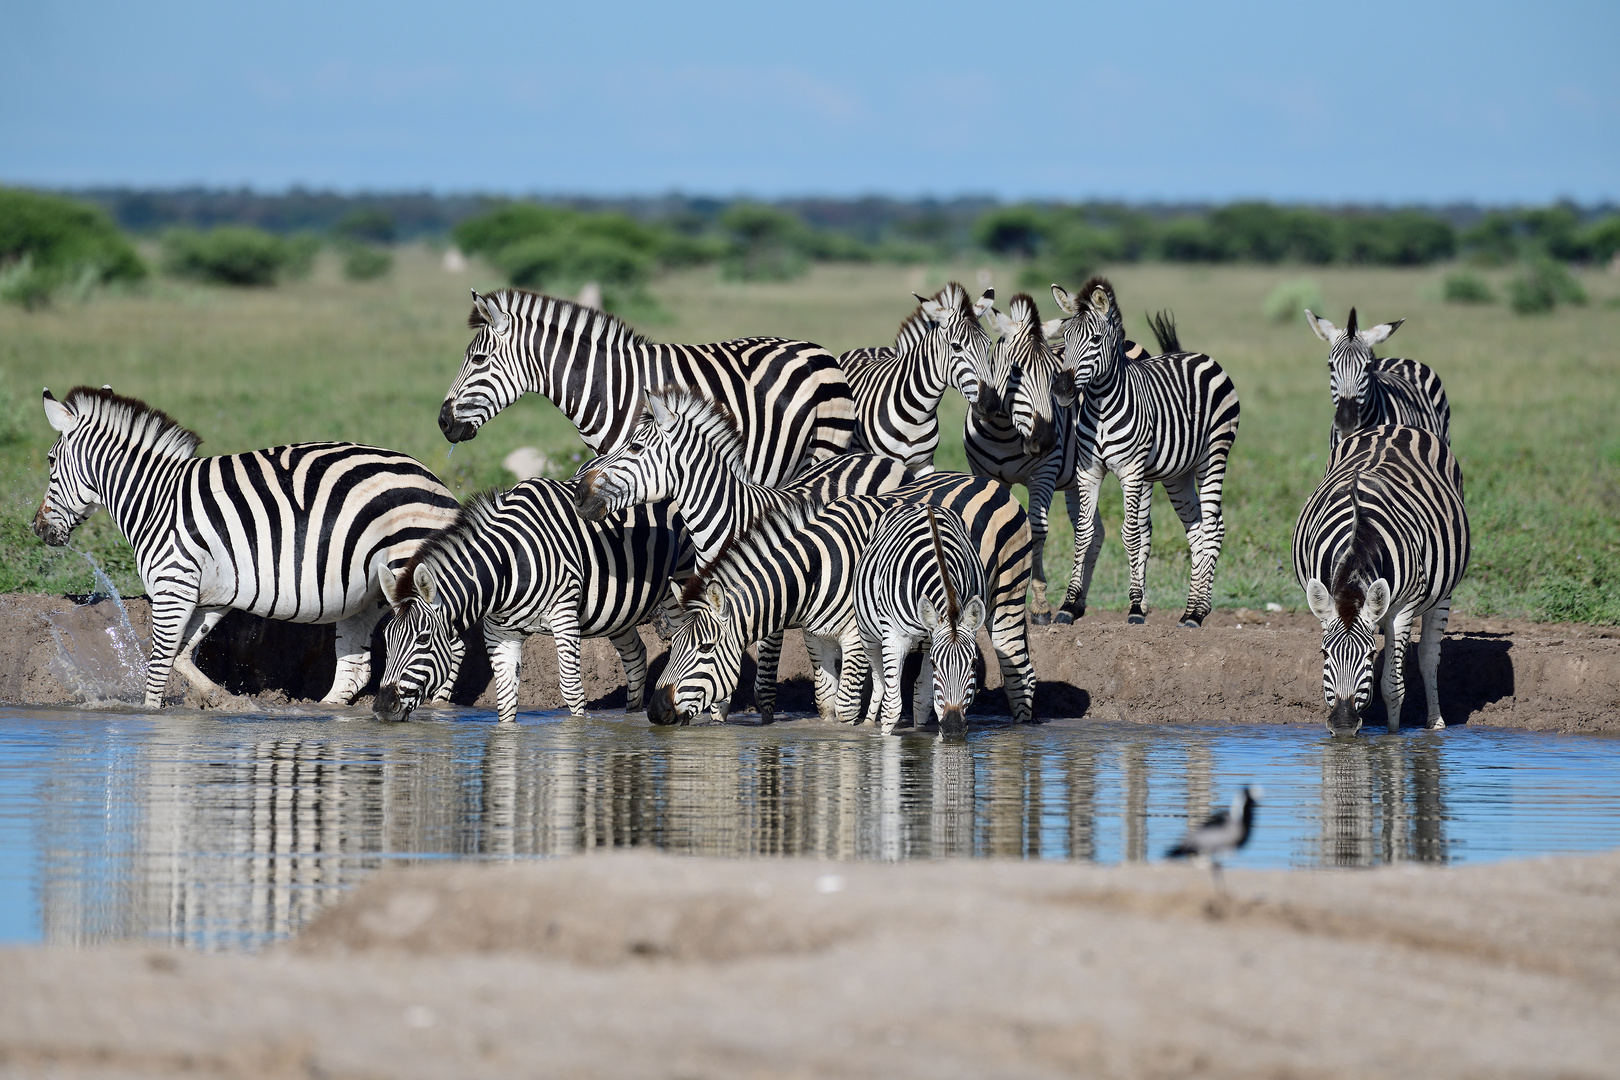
(522,562)
(302,532)
(897,391)
(790,397)
(995,443)
(1383,540)
(793,567)
(1369,391)
(689,450)
(910,585)
(1168,419)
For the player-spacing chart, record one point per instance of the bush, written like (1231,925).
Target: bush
(367,263)
(1602,240)
(1542,286)
(366,227)
(1492,242)
(1012,230)
(766,244)
(1401,238)
(1289,300)
(47,242)
(234,255)
(1466,287)
(1263,233)
(549,248)
(1190,240)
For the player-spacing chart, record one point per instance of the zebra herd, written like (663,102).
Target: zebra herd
(748,487)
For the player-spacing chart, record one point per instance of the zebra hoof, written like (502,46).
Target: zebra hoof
(1192,624)
(1137,620)
(1040,618)
(766,717)
(1063,618)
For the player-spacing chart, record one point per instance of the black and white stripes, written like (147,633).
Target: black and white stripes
(1382,542)
(1370,392)
(790,398)
(302,532)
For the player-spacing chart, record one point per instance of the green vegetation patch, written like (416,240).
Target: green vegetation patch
(236,255)
(48,242)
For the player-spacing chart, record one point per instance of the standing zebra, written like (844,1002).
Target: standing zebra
(789,397)
(1168,419)
(302,532)
(688,449)
(1383,540)
(920,579)
(897,391)
(1024,377)
(1370,392)
(522,562)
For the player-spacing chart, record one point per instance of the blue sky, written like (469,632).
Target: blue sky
(1380,102)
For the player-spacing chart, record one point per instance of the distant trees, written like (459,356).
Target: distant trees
(48,243)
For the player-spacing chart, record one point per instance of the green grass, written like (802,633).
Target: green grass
(1534,401)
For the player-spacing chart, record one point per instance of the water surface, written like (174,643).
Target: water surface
(232,831)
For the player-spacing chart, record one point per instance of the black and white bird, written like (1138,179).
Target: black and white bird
(1225,832)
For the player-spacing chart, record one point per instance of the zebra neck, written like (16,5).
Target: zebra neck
(1109,390)
(716,505)
(932,373)
(140,495)
(593,377)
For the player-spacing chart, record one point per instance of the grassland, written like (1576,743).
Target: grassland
(1534,402)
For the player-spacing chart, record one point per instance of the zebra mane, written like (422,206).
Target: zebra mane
(522,304)
(146,427)
(475,515)
(1022,309)
(1359,560)
(952,606)
(768,530)
(714,423)
(916,326)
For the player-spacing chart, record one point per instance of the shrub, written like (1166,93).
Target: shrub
(1602,240)
(549,248)
(1467,287)
(1401,238)
(1288,300)
(232,255)
(1012,230)
(1542,286)
(766,244)
(47,241)
(1074,251)
(367,263)
(1190,240)
(1492,242)
(366,226)
(568,258)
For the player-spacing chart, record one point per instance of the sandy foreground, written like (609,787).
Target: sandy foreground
(659,966)
(1242,667)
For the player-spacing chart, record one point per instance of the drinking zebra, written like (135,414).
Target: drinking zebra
(522,562)
(897,391)
(1020,380)
(920,580)
(1370,392)
(302,532)
(789,397)
(688,449)
(1166,419)
(1382,541)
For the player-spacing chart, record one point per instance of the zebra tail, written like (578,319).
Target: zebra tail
(1163,326)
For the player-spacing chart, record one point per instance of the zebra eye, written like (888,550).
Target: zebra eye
(1096,339)
(705,647)
(423,638)
(1324,654)
(477,360)
(636,448)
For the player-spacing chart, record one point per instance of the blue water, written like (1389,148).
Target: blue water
(225,832)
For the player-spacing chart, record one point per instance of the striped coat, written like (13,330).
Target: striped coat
(1371,392)
(302,532)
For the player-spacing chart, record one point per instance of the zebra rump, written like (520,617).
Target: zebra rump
(522,562)
(302,533)
(790,397)
(1382,541)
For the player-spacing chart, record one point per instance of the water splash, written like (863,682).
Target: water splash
(101,659)
(450,451)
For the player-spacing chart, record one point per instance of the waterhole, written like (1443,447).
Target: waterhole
(231,831)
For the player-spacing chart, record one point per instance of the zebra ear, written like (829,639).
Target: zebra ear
(426,587)
(1065,302)
(1377,601)
(391,580)
(933,309)
(715,596)
(1321,327)
(1006,325)
(984,304)
(930,617)
(1100,300)
(1377,335)
(972,615)
(660,412)
(1320,600)
(1051,328)
(494,318)
(58,415)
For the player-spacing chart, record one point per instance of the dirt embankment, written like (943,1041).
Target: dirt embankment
(639,964)
(1242,667)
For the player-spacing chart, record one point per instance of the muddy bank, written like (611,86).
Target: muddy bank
(648,965)
(1242,667)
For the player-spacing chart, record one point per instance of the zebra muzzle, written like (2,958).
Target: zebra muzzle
(953,723)
(1344,719)
(454,430)
(661,706)
(388,705)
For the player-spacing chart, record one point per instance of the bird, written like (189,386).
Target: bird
(1225,832)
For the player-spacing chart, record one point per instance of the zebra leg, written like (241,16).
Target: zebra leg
(1010,639)
(505,649)
(633,655)
(874,663)
(1397,632)
(564,623)
(1184,497)
(1434,626)
(852,672)
(1040,508)
(1087,519)
(769,657)
(458,653)
(922,696)
(197,628)
(1211,532)
(1138,521)
(823,662)
(353,655)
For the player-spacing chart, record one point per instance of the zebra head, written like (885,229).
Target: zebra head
(1027,378)
(705,658)
(1093,333)
(493,372)
(1350,616)
(945,328)
(646,468)
(1350,356)
(953,649)
(421,643)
